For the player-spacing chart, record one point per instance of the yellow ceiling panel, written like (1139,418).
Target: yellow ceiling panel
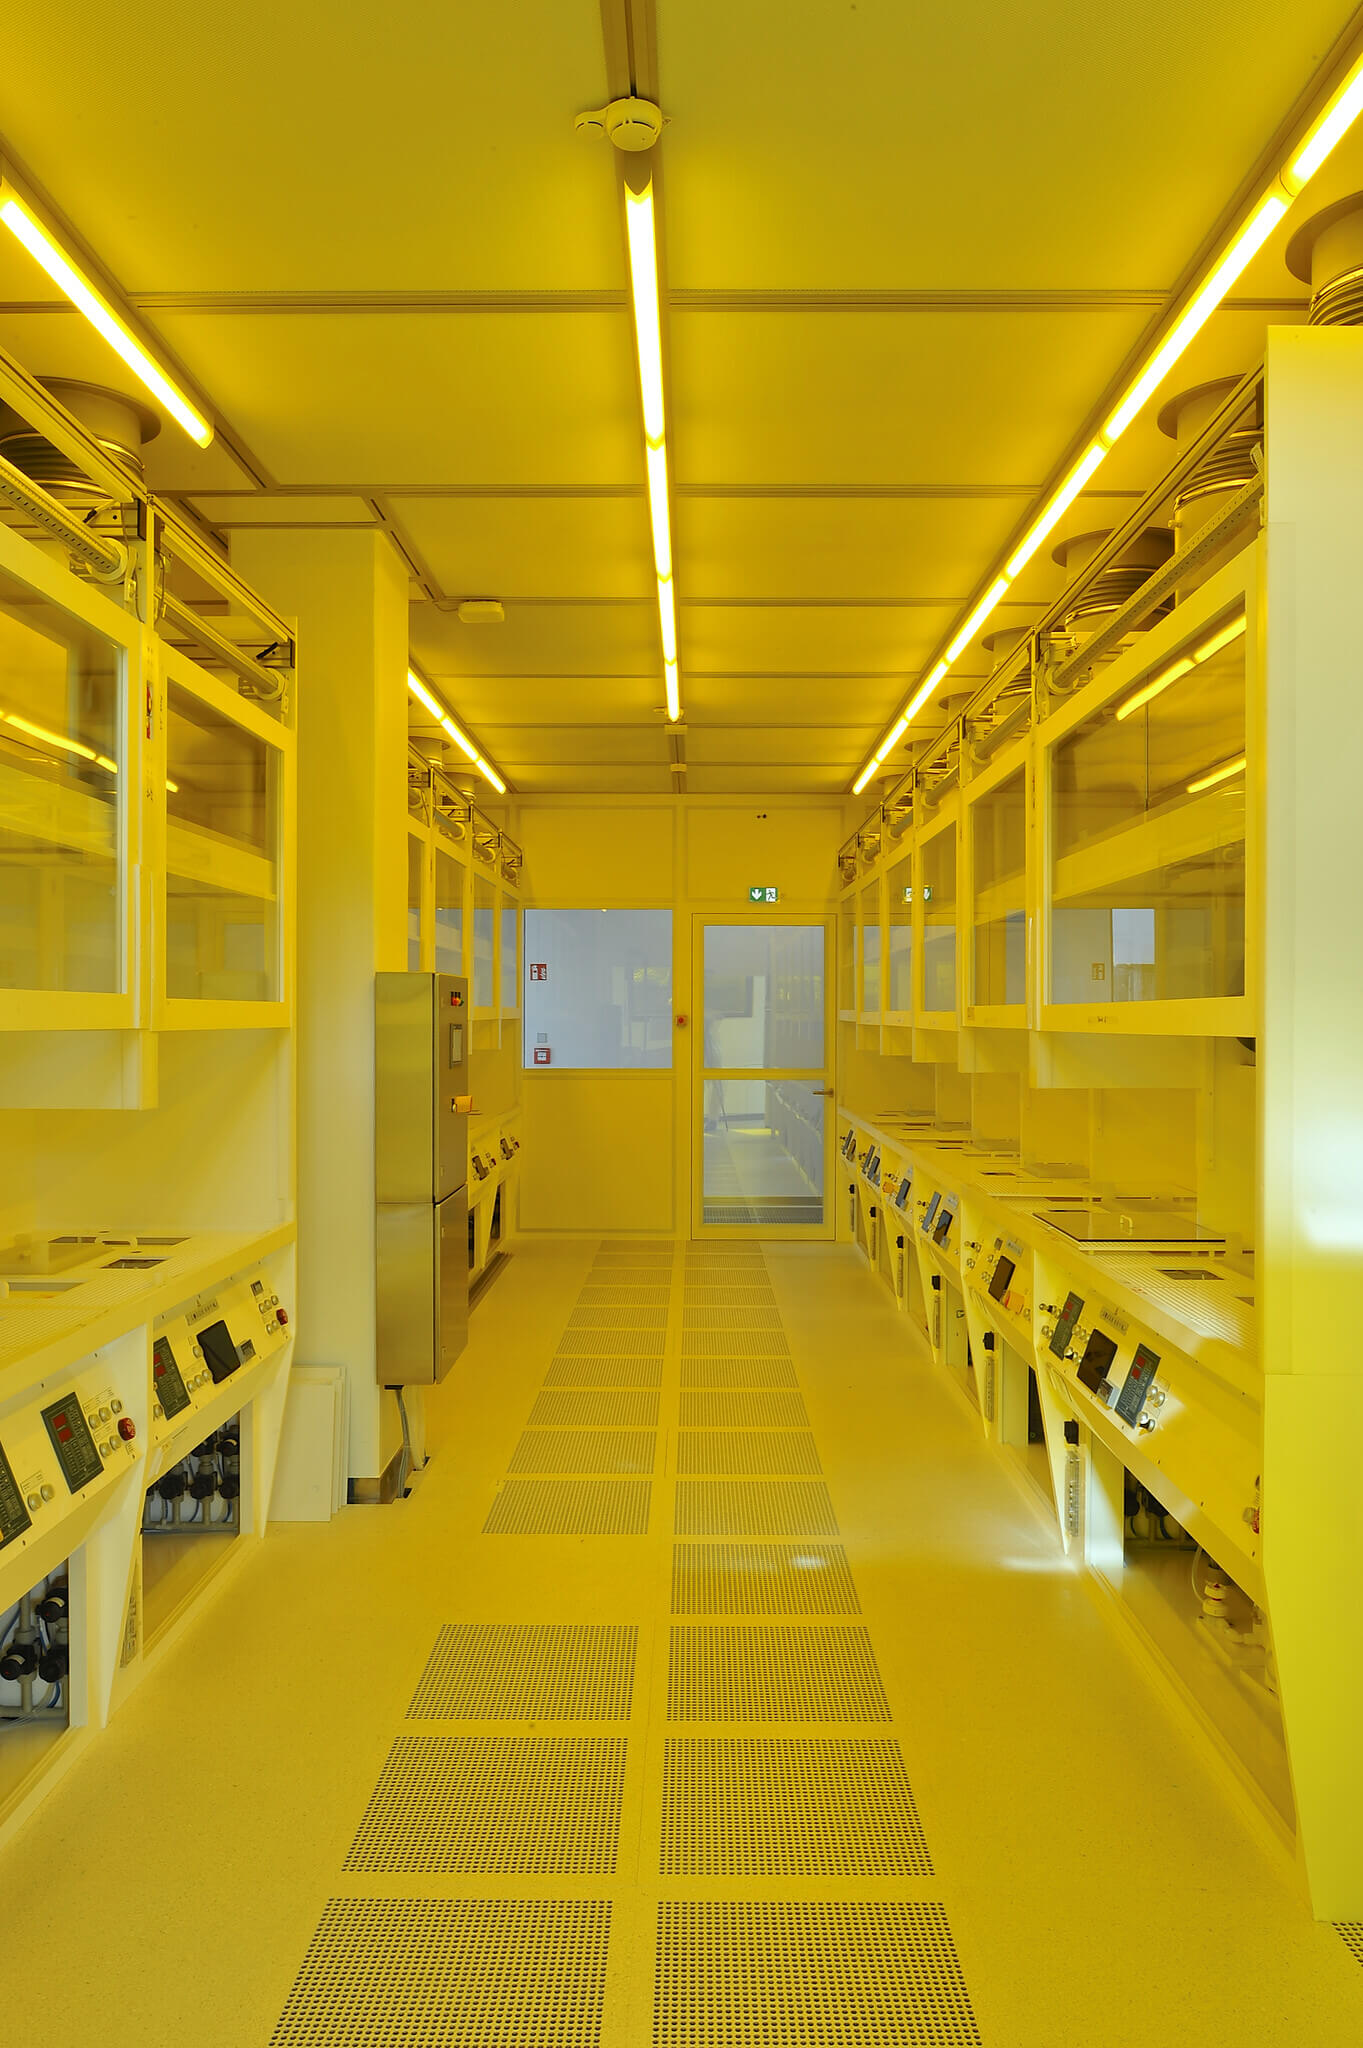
(824,639)
(848,548)
(541,640)
(616,744)
(565,780)
(777,779)
(787,701)
(530,701)
(261,147)
(942,398)
(511,547)
(263,509)
(412,400)
(975,146)
(765,746)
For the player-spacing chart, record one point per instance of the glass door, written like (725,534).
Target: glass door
(764,1095)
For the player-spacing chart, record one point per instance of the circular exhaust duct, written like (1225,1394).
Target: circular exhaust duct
(1327,253)
(1117,583)
(120,425)
(1230,465)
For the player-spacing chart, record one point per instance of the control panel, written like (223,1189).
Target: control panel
(870,1166)
(1115,1367)
(63,1446)
(202,1349)
(937,1220)
(1000,1268)
(900,1196)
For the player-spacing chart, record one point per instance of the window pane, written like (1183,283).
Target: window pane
(511,966)
(484,925)
(222,868)
(764,1152)
(899,967)
(416,869)
(939,921)
(1148,882)
(870,947)
(60,758)
(597,988)
(998,824)
(764,995)
(449,914)
(849,956)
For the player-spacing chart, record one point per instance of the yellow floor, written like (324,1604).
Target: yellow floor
(917,1790)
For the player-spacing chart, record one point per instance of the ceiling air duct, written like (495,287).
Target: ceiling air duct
(1327,253)
(1095,604)
(121,426)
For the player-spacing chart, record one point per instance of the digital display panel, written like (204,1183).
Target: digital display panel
(901,1199)
(65,1423)
(1099,1353)
(1003,1275)
(1137,1384)
(943,1229)
(167,1383)
(220,1353)
(14,1516)
(1064,1328)
(930,1212)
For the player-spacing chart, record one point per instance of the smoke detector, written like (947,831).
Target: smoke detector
(630,124)
(481,611)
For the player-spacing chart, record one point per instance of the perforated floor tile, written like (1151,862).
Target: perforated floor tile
(594,1411)
(714,1294)
(746,1410)
(734,1344)
(762,1578)
(529,1805)
(803,1806)
(738,1372)
(611,1344)
(700,1316)
(451,1973)
(613,1295)
(774,1674)
(1350,1933)
(737,1507)
(585,1450)
(605,1372)
(570,1507)
(747,1450)
(523,1671)
(618,1319)
(809,1974)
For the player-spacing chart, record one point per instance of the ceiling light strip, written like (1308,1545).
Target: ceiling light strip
(642,239)
(24,224)
(1331,125)
(1185,664)
(427,697)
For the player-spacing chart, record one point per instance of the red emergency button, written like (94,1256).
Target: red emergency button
(281,1316)
(127,1428)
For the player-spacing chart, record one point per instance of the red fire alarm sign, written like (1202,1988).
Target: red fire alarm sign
(539,970)
(542,1055)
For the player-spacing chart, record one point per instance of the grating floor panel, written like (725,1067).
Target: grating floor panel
(774,1674)
(495,1805)
(747,1450)
(451,1973)
(605,1372)
(596,1295)
(611,1344)
(746,1410)
(733,1344)
(808,1973)
(739,1507)
(804,1806)
(618,1319)
(1350,1933)
(509,1671)
(699,1316)
(713,1294)
(595,1411)
(738,1372)
(585,1450)
(570,1507)
(762,1578)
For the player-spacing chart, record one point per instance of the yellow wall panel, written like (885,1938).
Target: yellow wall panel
(598,1152)
(732,849)
(579,855)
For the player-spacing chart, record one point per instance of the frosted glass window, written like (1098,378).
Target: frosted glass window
(870,947)
(998,824)
(484,927)
(899,965)
(510,960)
(60,750)
(416,868)
(222,865)
(764,996)
(597,988)
(449,914)
(939,921)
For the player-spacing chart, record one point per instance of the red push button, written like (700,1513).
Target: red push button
(127,1428)
(281,1316)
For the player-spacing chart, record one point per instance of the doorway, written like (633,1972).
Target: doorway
(763,1124)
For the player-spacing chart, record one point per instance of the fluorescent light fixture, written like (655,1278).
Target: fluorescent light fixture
(867,772)
(49,739)
(423,695)
(1056,509)
(643,278)
(657,508)
(1246,245)
(1221,774)
(454,729)
(893,741)
(673,691)
(667,621)
(1205,649)
(101,316)
(1334,123)
(976,619)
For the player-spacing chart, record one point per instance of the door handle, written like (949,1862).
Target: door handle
(822,1091)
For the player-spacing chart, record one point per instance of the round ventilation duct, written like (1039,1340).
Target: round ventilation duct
(1002,644)
(1230,465)
(1327,253)
(1117,583)
(121,426)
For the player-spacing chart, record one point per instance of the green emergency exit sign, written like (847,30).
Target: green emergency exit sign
(765,894)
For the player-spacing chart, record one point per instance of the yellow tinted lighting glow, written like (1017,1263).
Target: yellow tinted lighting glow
(1336,122)
(102,318)
(50,739)
(1246,245)
(667,620)
(490,774)
(423,696)
(893,741)
(976,619)
(461,739)
(673,691)
(657,509)
(1222,637)
(173,787)
(1221,774)
(1155,686)
(1055,511)
(643,278)
(867,772)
